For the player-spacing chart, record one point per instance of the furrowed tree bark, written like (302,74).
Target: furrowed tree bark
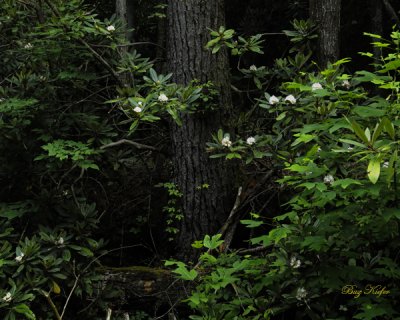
(326,13)
(205,208)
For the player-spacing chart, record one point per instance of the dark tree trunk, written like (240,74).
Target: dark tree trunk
(326,13)
(376,22)
(205,209)
(124,10)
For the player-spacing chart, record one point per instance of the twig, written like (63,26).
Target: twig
(232,221)
(133,143)
(252,250)
(232,213)
(52,305)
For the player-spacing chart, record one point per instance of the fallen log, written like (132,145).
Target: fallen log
(144,288)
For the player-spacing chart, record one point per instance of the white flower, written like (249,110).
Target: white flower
(19,257)
(28,46)
(301,293)
(319,149)
(385,164)
(316,86)
(350,148)
(111,28)
(137,109)
(162,98)
(42,78)
(273,100)
(140,103)
(346,84)
(226,142)
(329,179)
(251,140)
(253,68)
(295,263)
(342,308)
(60,241)
(7,297)
(291,99)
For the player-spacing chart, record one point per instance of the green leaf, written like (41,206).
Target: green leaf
(389,127)
(344,183)
(374,170)
(24,309)
(378,129)
(281,116)
(214,242)
(197,244)
(251,223)
(366,111)
(303,138)
(358,131)
(233,156)
(185,274)
(354,143)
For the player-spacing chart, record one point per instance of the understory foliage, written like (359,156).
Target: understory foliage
(332,252)
(69,90)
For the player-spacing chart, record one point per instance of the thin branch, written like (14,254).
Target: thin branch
(252,250)
(52,305)
(231,222)
(132,143)
(391,11)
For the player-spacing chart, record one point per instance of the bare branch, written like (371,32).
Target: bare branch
(132,143)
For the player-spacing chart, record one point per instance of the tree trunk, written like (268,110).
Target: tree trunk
(326,13)
(124,11)
(205,208)
(376,23)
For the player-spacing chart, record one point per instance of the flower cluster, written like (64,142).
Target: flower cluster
(7,297)
(251,140)
(253,68)
(162,98)
(385,165)
(290,98)
(19,257)
(329,179)
(301,293)
(346,84)
(316,86)
(226,142)
(273,100)
(111,28)
(295,263)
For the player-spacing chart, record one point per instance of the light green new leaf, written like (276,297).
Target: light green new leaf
(374,170)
